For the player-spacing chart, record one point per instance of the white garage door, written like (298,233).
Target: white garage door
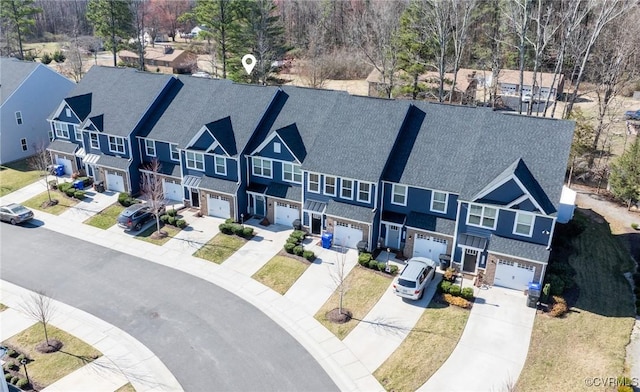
(68,167)
(219,206)
(513,275)
(172,191)
(347,235)
(429,247)
(285,214)
(115,182)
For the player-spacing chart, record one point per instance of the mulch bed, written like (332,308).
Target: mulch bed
(53,346)
(335,316)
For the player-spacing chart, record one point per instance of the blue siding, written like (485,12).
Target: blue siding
(527,205)
(322,197)
(464,228)
(204,141)
(418,200)
(269,152)
(70,119)
(505,228)
(504,194)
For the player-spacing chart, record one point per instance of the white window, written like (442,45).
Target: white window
(439,201)
(276,148)
(23,143)
(94,140)
(19,118)
(261,167)
(150,147)
(346,189)
(482,216)
(329,185)
(221,165)
(314,183)
(51,135)
(364,192)
(399,194)
(195,160)
(116,144)
(175,154)
(292,173)
(67,111)
(523,224)
(61,130)
(78,133)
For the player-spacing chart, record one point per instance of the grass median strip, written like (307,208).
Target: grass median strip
(64,202)
(220,247)
(425,349)
(590,340)
(106,218)
(280,273)
(365,287)
(46,369)
(16,175)
(147,234)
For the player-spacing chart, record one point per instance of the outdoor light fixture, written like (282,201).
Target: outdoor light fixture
(24,362)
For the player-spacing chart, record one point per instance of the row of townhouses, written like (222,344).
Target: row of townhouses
(479,185)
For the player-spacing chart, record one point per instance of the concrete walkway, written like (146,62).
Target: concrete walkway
(493,347)
(93,203)
(124,358)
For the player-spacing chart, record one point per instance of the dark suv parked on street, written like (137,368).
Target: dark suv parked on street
(135,216)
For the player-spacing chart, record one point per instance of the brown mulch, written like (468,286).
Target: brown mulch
(335,316)
(156,235)
(50,203)
(301,259)
(53,346)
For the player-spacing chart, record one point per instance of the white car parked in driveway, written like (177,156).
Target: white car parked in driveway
(415,277)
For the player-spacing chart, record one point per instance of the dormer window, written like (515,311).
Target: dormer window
(67,111)
(276,147)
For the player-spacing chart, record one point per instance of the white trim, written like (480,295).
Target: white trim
(23,144)
(335,186)
(309,182)
(195,161)
(212,146)
(518,200)
(215,164)
(494,187)
(77,129)
(262,168)
(19,119)
(116,138)
(60,132)
(370,189)
(67,111)
(350,188)
(533,200)
(515,223)
(428,231)
(482,216)
(97,135)
(446,202)
(517,257)
(268,140)
(342,218)
(171,152)
(405,196)
(147,147)
(293,167)
(388,226)
(277,147)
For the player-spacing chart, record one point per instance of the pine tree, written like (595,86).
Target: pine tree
(625,175)
(18,17)
(112,20)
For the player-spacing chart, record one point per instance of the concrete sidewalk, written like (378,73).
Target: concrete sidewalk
(124,358)
(92,204)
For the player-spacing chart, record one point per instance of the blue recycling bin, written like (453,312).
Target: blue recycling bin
(59,170)
(533,294)
(327,239)
(78,184)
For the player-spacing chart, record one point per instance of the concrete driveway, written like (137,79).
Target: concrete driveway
(493,347)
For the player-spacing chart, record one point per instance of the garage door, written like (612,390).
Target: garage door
(219,206)
(285,214)
(115,182)
(172,191)
(429,247)
(68,167)
(513,275)
(347,235)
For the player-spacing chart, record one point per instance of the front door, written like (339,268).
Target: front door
(260,205)
(195,200)
(393,237)
(470,259)
(316,224)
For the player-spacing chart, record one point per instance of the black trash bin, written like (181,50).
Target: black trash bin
(99,186)
(445,261)
(297,225)
(362,246)
(534,294)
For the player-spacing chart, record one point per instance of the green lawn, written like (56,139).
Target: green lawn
(220,247)
(16,175)
(45,369)
(64,202)
(590,340)
(107,217)
(425,349)
(365,288)
(146,235)
(280,273)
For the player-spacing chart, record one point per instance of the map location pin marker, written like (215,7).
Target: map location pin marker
(248,62)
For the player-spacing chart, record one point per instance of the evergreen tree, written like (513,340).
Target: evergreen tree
(112,20)
(17,18)
(625,175)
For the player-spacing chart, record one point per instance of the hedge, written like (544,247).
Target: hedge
(236,228)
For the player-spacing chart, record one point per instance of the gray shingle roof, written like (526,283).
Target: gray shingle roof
(217,184)
(349,211)
(114,162)
(120,95)
(518,248)
(62,146)
(195,102)
(432,223)
(12,73)
(282,191)
(357,137)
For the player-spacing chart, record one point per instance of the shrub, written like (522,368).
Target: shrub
(63,187)
(373,264)
(288,247)
(546,289)
(467,293)
(556,282)
(46,58)
(298,250)
(445,286)
(70,192)
(559,307)
(8,376)
(635,226)
(625,384)
(79,195)
(21,357)
(87,181)
(225,228)
(247,232)
(229,220)
(293,240)
(299,234)
(12,353)
(237,229)
(364,258)
(14,380)
(455,290)
(171,220)
(11,366)
(58,56)
(172,212)
(393,269)
(164,218)
(22,383)
(450,274)
(381,266)
(457,301)
(125,200)
(309,255)
(181,223)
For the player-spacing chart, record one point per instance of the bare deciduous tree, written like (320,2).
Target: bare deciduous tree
(39,307)
(517,12)
(151,188)
(339,277)
(461,15)
(41,161)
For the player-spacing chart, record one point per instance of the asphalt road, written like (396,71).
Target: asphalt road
(209,338)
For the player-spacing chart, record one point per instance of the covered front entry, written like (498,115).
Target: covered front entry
(219,206)
(513,275)
(115,181)
(347,235)
(285,213)
(470,260)
(392,240)
(429,247)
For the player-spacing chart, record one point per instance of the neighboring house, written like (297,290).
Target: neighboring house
(475,184)
(200,135)
(29,92)
(95,125)
(161,58)
(509,84)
